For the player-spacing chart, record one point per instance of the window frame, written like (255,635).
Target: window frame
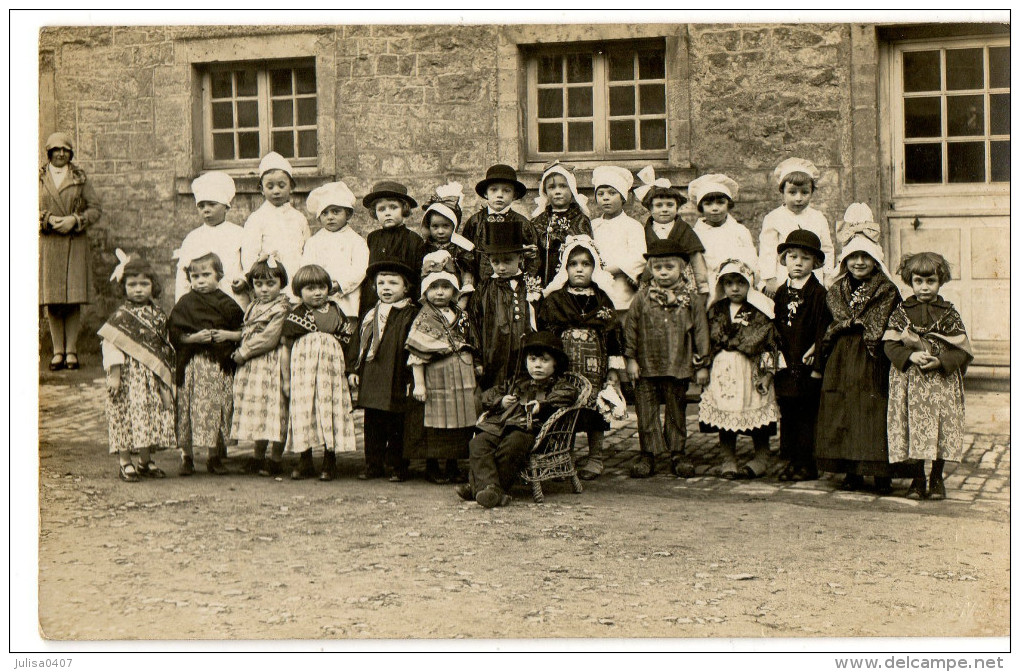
(600,100)
(264,101)
(898,136)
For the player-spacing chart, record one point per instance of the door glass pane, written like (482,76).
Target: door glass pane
(652,65)
(965,115)
(579,67)
(923,164)
(998,66)
(580,137)
(621,135)
(922,117)
(550,103)
(550,137)
(248,145)
(221,87)
(223,115)
(305,78)
(653,99)
(621,65)
(921,71)
(579,102)
(653,134)
(1000,113)
(283,112)
(549,70)
(283,142)
(621,100)
(281,85)
(247,114)
(1000,161)
(223,146)
(306,109)
(965,69)
(306,143)
(966,161)
(246,83)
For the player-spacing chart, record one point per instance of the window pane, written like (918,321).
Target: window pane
(965,115)
(550,137)
(280,82)
(965,69)
(1000,113)
(579,68)
(653,99)
(652,65)
(246,83)
(550,71)
(247,114)
(223,146)
(579,102)
(248,145)
(621,100)
(305,79)
(621,135)
(550,103)
(580,137)
(923,164)
(922,117)
(306,143)
(283,112)
(306,109)
(921,71)
(998,66)
(621,65)
(222,115)
(283,142)
(1000,161)
(221,87)
(966,161)
(653,134)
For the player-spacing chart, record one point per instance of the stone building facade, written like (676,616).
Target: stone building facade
(150,108)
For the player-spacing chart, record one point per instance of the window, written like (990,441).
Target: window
(254,108)
(954,124)
(598,101)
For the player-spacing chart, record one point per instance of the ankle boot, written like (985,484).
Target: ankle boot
(304,467)
(918,488)
(328,466)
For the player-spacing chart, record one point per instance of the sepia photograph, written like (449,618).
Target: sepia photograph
(578,331)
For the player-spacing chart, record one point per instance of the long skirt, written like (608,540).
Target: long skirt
(588,358)
(731,402)
(260,410)
(205,404)
(926,415)
(451,400)
(321,412)
(135,412)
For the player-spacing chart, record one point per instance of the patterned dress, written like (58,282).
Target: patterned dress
(260,409)
(552,228)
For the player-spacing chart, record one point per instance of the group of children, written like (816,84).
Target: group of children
(457,341)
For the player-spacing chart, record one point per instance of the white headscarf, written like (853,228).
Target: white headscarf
(542,201)
(754,297)
(600,276)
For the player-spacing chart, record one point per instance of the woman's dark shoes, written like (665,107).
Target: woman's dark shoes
(918,488)
(151,470)
(71,361)
(215,466)
(883,485)
(187,466)
(57,363)
(937,488)
(851,483)
(129,474)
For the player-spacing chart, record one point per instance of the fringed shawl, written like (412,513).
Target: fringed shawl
(140,331)
(867,308)
(939,324)
(433,337)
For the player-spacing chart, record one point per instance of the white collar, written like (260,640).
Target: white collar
(385,308)
(500,212)
(798,284)
(734,309)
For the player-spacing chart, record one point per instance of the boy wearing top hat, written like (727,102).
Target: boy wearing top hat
(500,189)
(390,205)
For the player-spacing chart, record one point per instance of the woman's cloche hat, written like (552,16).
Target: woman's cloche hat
(804,240)
(59,139)
(501,173)
(548,342)
(387,189)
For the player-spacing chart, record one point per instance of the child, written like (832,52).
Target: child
(619,237)
(276,226)
(321,413)
(204,326)
(738,397)
(514,413)
(383,375)
(444,359)
(391,206)
(139,362)
(500,189)
(578,309)
(796,179)
(440,222)
(851,436)
(929,350)
(214,192)
(501,308)
(561,212)
(663,202)
(801,319)
(723,237)
(341,251)
(665,340)
(263,373)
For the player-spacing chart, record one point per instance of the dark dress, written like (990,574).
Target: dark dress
(552,229)
(501,314)
(681,233)
(397,243)
(476,229)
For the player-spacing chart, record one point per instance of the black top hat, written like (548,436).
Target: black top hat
(393,265)
(804,240)
(508,237)
(387,189)
(546,341)
(501,173)
(664,247)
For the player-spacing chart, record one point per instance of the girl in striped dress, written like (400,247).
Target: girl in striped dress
(263,371)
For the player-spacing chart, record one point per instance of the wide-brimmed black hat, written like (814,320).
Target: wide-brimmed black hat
(392,265)
(501,173)
(665,247)
(546,341)
(507,237)
(387,190)
(805,240)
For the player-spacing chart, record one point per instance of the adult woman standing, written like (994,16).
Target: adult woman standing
(67,207)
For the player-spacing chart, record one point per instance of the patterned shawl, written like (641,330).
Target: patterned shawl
(301,321)
(751,333)
(944,327)
(140,332)
(432,336)
(868,307)
(196,311)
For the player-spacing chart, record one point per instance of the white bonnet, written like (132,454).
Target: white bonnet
(616,177)
(215,186)
(713,183)
(331,193)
